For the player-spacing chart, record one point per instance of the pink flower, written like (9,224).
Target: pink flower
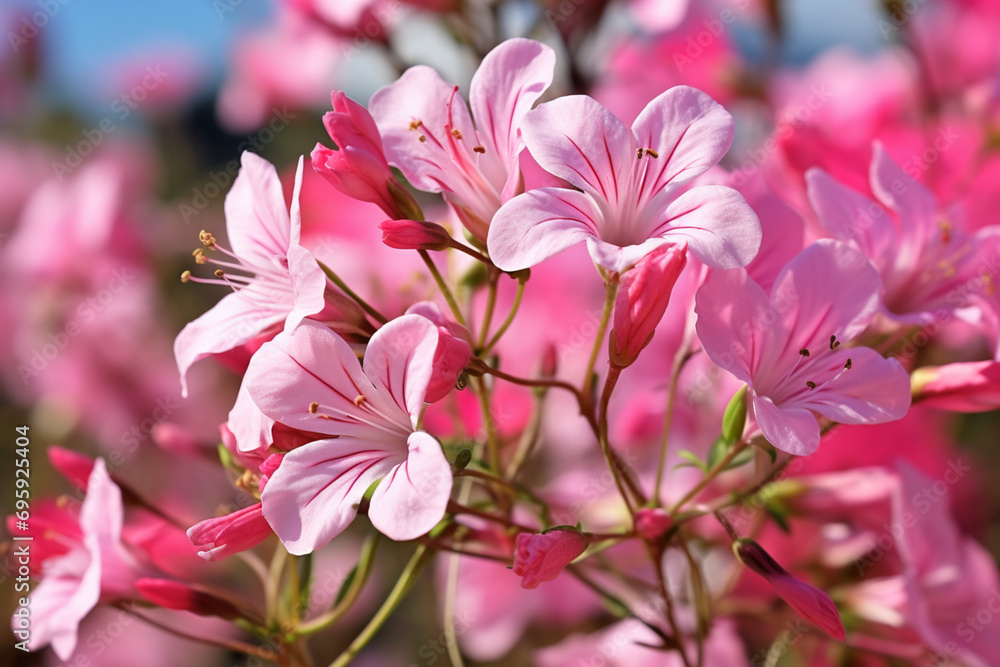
(652,523)
(642,299)
(186,597)
(357,165)
(928,266)
(284,281)
(311,381)
(972,386)
(97,568)
(226,535)
(789,347)
(414,235)
(543,556)
(632,198)
(428,132)
(808,601)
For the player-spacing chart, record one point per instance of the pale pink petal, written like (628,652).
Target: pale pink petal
(399,361)
(309,285)
(578,140)
(913,202)
(850,216)
(540,223)
(690,133)
(313,365)
(719,226)
(230,323)
(412,498)
(312,496)
(792,430)
(872,391)
(250,427)
(621,258)
(506,85)
(257,220)
(69,590)
(826,303)
(733,330)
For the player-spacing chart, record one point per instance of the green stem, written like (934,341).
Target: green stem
(491,304)
(614,372)
(492,442)
(471,252)
(675,374)
(507,322)
(710,475)
(379,317)
(406,580)
(657,556)
(443,286)
(364,568)
(611,289)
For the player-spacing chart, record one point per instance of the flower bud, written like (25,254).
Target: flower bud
(226,535)
(542,556)
(183,597)
(652,523)
(643,295)
(808,601)
(357,166)
(414,235)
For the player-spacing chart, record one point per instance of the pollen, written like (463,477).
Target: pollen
(848,365)
(479,149)
(810,384)
(207,239)
(834,343)
(219,273)
(313,407)
(360,400)
(804,352)
(456,133)
(422,138)
(414,124)
(186,276)
(651,153)
(199,256)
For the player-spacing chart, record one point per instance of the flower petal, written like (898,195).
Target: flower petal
(873,390)
(792,430)
(312,496)
(257,220)
(578,140)
(536,225)
(399,361)
(688,130)
(719,226)
(414,495)
(850,216)
(733,316)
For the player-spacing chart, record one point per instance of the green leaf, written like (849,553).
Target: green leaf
(346,586)
(744,457)
(735,418)
(717,452)
(693,459)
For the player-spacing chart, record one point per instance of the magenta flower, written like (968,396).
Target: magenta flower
(357,166)
(98,567)
(633,197)
(277,278)
(223,536)
(414,235)
(311,381)
(790,347)
(429,135)
(543,556)
(643,296)
(929,266)
(970,386)
(808,601)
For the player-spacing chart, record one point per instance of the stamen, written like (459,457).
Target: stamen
(360,400)
(422,139)
(804,352)
(651,153)
(848,365)
(207,239)
(638,153)
(219,273)
(186,276)
(456,133)
(479,149)
(810,384)
(313,407)
(199,256)
(834,343)
(414,124)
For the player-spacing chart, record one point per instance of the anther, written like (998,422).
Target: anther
(207,239)
(313,407)
(360,400)
(848,365)
(834,343)
(638,153)
(422,138)
(804,352)
(414,124)
(456,133)
(479,149)
(810,384)
(186,276)
(199,256)
(651,153)
(219,273)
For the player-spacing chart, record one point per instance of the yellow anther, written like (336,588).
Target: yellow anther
(186,276)
(207,239)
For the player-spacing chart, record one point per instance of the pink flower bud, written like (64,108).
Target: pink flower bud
(652,523)
(183,597)
(226,535)
(357,167)
(452,354)
(642,299)
(972,386)
(542,556)
(414,235)
(808,601)
(74,466)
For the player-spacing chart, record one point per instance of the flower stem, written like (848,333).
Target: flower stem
(710,475)
(611,289)
(491,304)
(507,322)
(364,568)
(406,580)
(368,308)
(443,286)
(614,464)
